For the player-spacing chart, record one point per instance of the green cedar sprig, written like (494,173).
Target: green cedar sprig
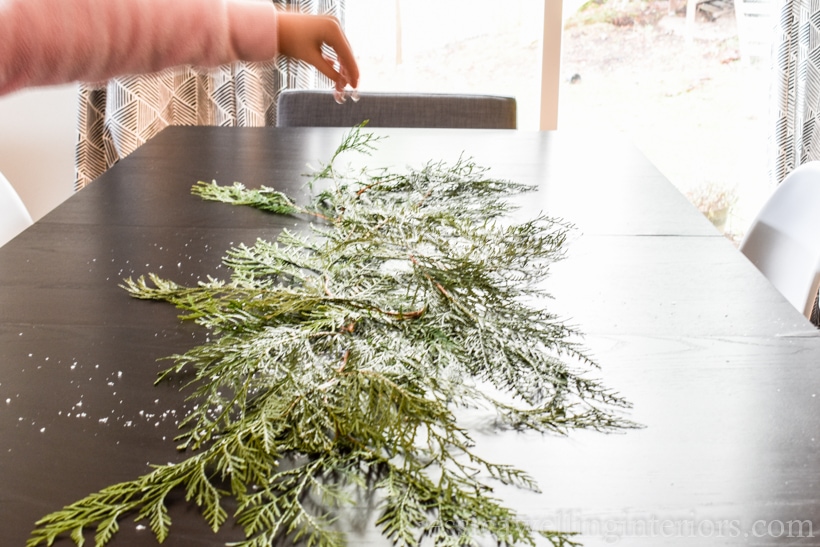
(342,354)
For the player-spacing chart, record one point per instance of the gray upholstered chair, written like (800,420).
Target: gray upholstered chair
(301,108)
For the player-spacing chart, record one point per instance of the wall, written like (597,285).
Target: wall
(37,135)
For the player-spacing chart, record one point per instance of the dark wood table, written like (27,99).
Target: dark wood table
(724,374)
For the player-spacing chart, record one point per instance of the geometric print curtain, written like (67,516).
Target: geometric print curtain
(795,87)
(120,114)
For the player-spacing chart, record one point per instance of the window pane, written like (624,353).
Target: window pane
(451,46)
(694,98)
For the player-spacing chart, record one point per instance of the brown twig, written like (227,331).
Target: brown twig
(435,283)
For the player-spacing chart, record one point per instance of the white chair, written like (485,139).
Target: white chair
(784,240)
(14,217)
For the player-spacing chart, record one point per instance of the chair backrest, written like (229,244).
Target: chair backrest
(302,108)
(784,240)
(14,217)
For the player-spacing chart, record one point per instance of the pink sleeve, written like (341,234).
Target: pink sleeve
(45,42)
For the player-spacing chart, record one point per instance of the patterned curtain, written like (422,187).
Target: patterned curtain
(121,114)
(796,87)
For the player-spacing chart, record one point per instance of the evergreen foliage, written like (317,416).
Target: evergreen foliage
(341,355)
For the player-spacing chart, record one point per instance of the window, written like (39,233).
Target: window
(689,93)
(452,46)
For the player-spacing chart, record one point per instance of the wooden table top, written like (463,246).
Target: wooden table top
(722,371)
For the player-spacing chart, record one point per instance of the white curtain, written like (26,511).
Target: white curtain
(120,115)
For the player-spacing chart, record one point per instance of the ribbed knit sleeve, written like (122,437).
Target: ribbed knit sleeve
(44,42)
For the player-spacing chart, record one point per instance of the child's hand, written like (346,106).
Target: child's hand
(301,36)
